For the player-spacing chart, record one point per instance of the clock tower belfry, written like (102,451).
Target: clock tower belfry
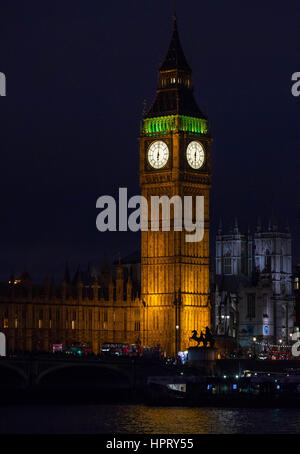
(174,161)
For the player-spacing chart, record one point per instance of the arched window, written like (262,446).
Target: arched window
(266,330)
(227,264)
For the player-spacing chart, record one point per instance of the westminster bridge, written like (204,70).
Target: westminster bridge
(51,372)
(98,377)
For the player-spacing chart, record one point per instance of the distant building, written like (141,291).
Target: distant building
(253,286)
(88,308)
(296,282)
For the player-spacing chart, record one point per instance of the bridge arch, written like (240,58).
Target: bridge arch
(72,372)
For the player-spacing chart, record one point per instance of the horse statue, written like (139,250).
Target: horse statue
(208,337)
(198,339)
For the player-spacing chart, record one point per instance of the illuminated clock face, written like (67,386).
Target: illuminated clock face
(158,154)
(195,155)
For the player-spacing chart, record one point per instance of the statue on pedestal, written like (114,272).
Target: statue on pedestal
(205,339)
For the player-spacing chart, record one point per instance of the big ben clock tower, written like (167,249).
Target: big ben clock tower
(174,161)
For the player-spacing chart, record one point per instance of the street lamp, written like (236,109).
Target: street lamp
(177,304)
(254,349)
(280,342)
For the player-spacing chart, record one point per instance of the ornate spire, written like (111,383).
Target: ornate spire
(174,91)
(175,58)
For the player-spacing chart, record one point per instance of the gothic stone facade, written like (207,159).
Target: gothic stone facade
(174,273)
(253,294)
(175,287)
(36,317)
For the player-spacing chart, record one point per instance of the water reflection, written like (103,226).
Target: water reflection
(142,419)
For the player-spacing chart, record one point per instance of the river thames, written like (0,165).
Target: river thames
(141,419)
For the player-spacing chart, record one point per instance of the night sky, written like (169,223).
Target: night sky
(77,74)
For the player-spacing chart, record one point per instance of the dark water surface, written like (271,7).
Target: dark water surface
(140,419)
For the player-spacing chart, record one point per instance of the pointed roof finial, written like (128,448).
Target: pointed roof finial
(258,228)
(175,58)
(220,229)
(236,227)
(287,226)
(175,15)
(270,225)
(77,276)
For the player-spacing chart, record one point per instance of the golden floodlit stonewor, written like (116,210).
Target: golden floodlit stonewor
(174,273)
(160,297)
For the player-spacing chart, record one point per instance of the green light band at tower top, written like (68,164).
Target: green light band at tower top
(169,123)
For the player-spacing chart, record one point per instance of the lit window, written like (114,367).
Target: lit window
(16,323)
(40,323)
(266,330)
(5,324)
(73,324)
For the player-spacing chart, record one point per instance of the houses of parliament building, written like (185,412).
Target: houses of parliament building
(162,293)
(83,309)
(171,296)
